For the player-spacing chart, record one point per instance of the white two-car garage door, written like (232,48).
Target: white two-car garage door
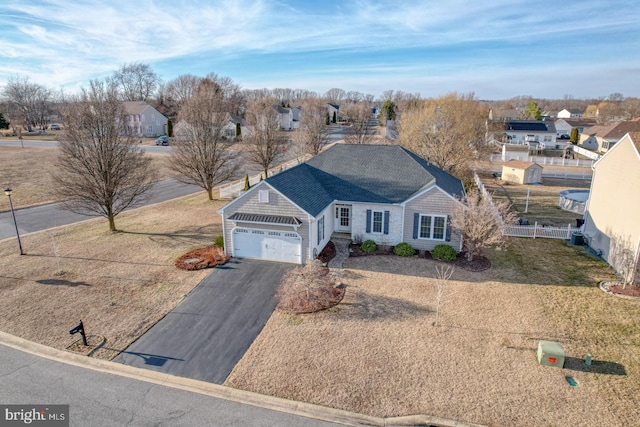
(267,244)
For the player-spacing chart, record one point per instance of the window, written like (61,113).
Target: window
(547,138)
(432,227)
(377,222)
(263,197)
(321,229)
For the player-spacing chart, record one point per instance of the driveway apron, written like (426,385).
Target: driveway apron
(211,329)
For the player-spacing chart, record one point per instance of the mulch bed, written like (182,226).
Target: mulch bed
(332,297)
(328,253)
(616,288)
(355,251)
(200,258)
(479,263)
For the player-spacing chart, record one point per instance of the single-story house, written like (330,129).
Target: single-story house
(521,172)
(384,193)
(611,226)
(144,120)
(572,113)
(565,126)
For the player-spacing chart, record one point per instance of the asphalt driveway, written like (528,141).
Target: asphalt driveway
(211,329)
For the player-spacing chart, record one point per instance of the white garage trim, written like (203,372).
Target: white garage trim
(272,245)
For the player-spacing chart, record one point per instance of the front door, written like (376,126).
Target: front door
(343,219)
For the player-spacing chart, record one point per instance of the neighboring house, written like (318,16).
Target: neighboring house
(515,152)
(380,192)
(521,172)
(296,113)
(572,113)
(601,138)
(285,117)
(564,126)
(230,129)
(331,109)
(504,114)
(144,120)
(611,225)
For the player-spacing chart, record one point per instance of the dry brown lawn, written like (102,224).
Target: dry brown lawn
(118,284)
(379,353)
(543,199)
(28,172)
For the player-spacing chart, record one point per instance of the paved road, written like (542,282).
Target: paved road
(43,217)
(211,329)
(101,399)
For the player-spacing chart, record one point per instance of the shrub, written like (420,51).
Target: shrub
(404,249)
(219,241)
(368,246)
(444,252)
(307,289)
(200,258)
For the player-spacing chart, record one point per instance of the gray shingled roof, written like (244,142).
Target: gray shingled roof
(360,173)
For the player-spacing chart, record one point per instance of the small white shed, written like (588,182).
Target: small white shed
(521,172)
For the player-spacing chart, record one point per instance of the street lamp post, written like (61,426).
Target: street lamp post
(7,191)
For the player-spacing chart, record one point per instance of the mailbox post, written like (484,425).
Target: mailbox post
(79,328)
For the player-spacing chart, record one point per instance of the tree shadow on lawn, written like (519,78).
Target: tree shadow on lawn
(189,235)
(364,306)
(59,282)
(97,259)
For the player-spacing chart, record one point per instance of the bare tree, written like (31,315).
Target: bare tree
(201,152)
(313,133)
(231,92)
(362,129)
(265,142)
(443,274)
(175,92)
(136,81)
(100,169)
(481,222)
(448,132)
(30,102)
(623,258)
(335,95)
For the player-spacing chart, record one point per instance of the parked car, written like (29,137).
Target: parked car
(55,126)
(564,136)
(163,140)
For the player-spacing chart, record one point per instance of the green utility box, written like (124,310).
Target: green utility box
(550,353)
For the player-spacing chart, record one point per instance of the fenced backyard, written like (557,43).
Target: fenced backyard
(536,205)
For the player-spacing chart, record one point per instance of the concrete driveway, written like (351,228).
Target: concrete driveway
(211,329)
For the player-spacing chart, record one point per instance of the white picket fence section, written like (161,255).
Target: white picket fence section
(556,161)
(532,231)
(229,191)
(540,231)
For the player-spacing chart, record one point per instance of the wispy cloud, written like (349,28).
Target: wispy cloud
(406,42)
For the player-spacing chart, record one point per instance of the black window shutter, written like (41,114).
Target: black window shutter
(368,221)
(416,224)
(448,229)
(386,222)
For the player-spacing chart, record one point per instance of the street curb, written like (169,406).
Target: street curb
(301,409)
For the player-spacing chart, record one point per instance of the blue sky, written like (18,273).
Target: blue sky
(495,48)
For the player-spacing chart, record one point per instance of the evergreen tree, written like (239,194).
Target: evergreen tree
(238,131)
(575,136)
(4,124)
(335,117)
(169,128)
(328,120)
(247,186)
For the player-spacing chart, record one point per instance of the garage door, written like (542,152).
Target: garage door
(267,244)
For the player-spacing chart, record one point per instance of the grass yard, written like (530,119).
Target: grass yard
(543,199)
(119,284)
(379,353)
(28,172)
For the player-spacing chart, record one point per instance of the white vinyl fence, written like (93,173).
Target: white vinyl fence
(532,231)
(557,161)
